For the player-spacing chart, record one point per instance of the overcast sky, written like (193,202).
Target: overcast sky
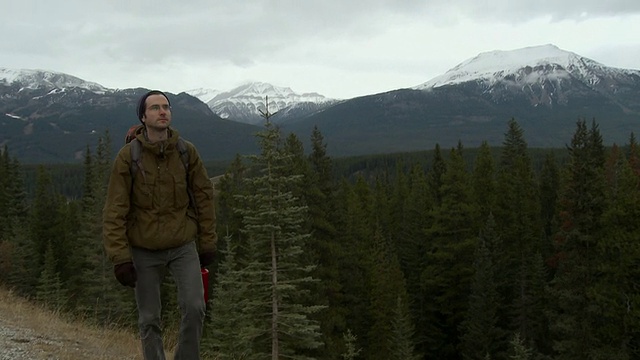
(338,48)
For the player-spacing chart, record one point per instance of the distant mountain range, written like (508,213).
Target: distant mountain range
(545,89)
(53,117)
(245,102)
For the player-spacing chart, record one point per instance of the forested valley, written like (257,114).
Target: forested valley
(487,253)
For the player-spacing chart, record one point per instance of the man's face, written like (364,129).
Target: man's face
(157,113)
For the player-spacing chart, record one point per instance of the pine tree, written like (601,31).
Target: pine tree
(484,182)
(84,285)
(615,289)
(412,248)
(350,340)
(49,290)
(448,274)
(273,220)
(325,244)
(387,285)
(518,218)
(582,203)
(13,219)
(519,349)
(434,175)
(355,225)
(5,179)
(549,185)
(229,328)
(46,226)
(481,335)
(402,334)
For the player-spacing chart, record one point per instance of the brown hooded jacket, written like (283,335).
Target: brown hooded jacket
(155,212)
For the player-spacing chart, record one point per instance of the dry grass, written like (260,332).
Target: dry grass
(43,334)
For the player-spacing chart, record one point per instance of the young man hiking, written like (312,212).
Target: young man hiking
(159,215)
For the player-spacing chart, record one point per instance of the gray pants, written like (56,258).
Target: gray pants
(184,266)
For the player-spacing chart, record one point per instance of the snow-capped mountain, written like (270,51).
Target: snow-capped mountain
(34,79)
(544,88)
(546,73)
(244,103)
(203,94)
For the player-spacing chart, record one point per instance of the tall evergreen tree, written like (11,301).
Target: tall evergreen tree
(518,217)
(49,290)
(320,199)
(412,252)
(435,173)
(448,274)
(615,292)
(387,286)
(582,203)
(5,179)
(229,329)
(355,230)
(481,335)
(549,185)
(273,220)
(14,213)
(46,227)
(484,183)
(402,334)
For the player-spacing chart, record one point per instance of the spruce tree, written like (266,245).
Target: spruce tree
(355,231)
(46,226)
(412,248)
(549,186)
(615,290)
(402,333)
(518,218)
(484,183)
(481,335)
(49,290)
(434,175)
(325,245)
(387,286)
(451,243)
(582,203)
(229,327)
(272,223)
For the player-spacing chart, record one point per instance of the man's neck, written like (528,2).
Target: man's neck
(154,135)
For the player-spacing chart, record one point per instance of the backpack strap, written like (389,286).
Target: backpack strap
(136,161)
(181,145)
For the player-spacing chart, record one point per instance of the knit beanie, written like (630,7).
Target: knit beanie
(142,103)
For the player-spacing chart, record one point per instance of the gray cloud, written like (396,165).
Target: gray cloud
(139,41)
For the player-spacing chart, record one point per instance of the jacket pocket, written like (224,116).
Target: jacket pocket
(143,190)
(181,194)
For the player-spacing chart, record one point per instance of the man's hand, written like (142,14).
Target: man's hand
(126,274)
(206,258)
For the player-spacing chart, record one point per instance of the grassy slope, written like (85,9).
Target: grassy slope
(37,333)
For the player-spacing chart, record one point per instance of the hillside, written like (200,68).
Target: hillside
(29,332)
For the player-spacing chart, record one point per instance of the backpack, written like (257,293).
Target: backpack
(136,159)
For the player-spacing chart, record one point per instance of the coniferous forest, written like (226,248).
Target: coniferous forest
(495,256)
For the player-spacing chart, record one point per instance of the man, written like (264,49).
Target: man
(150,224)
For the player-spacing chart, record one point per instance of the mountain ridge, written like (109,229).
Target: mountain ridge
(246,102)
(470,103)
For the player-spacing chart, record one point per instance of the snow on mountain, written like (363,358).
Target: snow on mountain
(245,102)
(205,95)
(33,79)
(524,66)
